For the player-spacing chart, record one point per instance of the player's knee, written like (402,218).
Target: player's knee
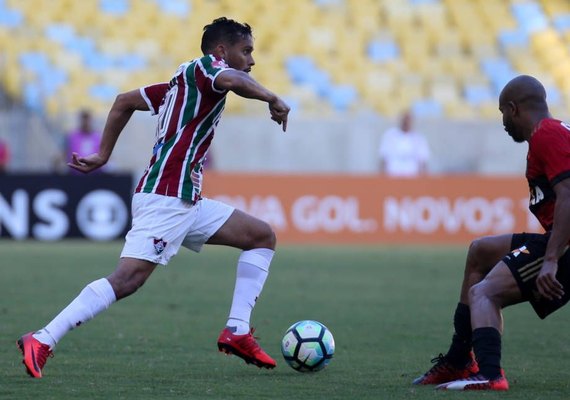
(475,249)
(484,292)
(265,237)
(477,254)
(476,293)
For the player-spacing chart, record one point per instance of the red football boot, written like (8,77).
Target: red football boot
(245,347)
(443,371)
(35,354)
(477,382)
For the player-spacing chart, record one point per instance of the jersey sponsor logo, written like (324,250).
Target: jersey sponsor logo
(159,245)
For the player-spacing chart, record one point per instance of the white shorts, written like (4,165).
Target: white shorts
(161,224)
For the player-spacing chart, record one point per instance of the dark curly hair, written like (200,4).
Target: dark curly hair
(223,30)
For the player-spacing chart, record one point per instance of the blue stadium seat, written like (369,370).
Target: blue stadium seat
(10,18)
(103,92)
(562,22)
(302,70)
(513,38)
(32,96)
(427,108)
(84,46)
(52,80)
(98,62)
(342,97)
(477,94)
(175,7)
(34,61)
(60,33)
(554,95)
(530,16)
(499,71)
(297,67)
(382,51)
(46,79)
(114,7)
(130,62)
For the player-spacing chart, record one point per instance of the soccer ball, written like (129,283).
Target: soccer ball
(307,346)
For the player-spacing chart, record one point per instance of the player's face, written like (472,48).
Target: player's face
(509,124)
(238,55)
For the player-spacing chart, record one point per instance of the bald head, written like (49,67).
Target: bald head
(523,104)
(524,90)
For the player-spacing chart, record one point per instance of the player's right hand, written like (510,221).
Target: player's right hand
(86,164)
(546,282)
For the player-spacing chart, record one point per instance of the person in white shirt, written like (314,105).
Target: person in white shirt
(403,152)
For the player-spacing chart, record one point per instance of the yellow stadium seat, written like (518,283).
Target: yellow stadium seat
(444,91)
(459,110)
(488,110)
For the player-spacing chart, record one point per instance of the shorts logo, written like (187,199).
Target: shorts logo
(520,250)
(159,245)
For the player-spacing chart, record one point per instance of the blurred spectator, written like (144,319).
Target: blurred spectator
(403,152)
(84,140)
(4,156)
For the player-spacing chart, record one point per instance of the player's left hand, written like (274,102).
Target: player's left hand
(546,282)
(86,164)
(279,111)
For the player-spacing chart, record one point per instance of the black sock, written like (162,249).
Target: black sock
(487,347)
(458,353)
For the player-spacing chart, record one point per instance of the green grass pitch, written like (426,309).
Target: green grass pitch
(389,309)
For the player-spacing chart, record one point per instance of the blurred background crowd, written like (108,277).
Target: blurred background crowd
(349,68)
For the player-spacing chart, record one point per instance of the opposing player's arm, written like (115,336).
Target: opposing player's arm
(124,106)
(547,283)
(244,85)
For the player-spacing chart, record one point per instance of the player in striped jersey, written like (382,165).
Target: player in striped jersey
(513,268)
(168,209)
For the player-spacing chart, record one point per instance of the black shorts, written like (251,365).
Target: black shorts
(525,262)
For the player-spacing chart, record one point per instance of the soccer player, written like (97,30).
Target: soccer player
(508,269)
(168,210)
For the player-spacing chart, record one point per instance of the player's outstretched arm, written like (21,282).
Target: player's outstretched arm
(244,85)
(120,113)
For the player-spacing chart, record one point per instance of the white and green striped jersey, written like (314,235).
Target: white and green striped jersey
(189,107)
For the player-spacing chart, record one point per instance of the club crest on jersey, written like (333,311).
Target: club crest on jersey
(159,245)
(520,250)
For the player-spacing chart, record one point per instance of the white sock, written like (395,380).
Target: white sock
(252,271)
(94,298)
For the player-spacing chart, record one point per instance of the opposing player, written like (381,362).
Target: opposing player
(168,210)
(508,269)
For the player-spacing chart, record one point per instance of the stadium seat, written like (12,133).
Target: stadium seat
(342,97)
(342,49)
(477,94)
(427,108)
(382,50)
